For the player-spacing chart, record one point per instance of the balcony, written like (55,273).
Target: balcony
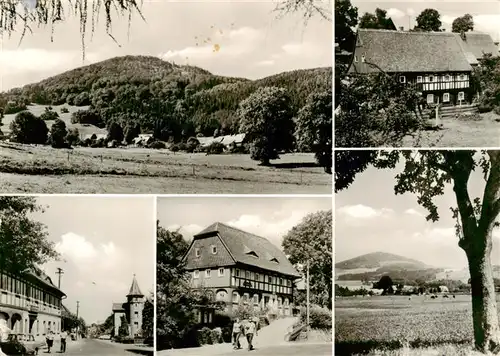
(34,308)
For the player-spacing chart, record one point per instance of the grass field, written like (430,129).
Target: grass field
(42,169)
(461,133)
(399,326)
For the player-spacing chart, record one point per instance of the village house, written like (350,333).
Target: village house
(235,266)
(131,310)
(30,304)
(437,64)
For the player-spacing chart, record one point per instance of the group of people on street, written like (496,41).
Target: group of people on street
(50,341)
(248,328)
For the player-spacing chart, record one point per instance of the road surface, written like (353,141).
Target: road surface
(299,349)
(92,347)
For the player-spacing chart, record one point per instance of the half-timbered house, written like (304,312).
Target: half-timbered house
(235,266)
(438,64)
(480,44)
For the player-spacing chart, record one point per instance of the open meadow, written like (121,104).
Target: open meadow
(460,132)
(397,325)
(43,169)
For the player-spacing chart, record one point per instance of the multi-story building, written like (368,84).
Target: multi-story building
(131,310)
(235,266)
(437,64)
(30,304)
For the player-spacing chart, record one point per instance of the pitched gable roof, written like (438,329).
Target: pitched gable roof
(401,51)
(480,44)
(118,307)
(250,249)
(134,289)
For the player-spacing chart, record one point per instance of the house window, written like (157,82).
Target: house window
(214,249)
(446,78)
(446,97)
(207,273)
(419,79)
(430,98)
(355,59)
(431,78)
(197,252)
(461,95)
(402,79)
(196,274)
(255,299)
(363,59)
(256,276)
(236,297)
(461,77)
(221,272)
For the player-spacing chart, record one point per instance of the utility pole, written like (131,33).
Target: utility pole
(77,321)
(59,272)
(307,299)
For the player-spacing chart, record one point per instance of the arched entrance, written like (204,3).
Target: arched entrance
(16,323)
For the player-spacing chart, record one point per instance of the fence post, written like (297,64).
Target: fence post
(193,171)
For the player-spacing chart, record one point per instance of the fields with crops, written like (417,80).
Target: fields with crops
(372,324)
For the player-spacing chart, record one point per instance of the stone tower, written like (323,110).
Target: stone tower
(135,300)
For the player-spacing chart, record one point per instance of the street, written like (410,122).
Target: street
(290,349)
(92,347)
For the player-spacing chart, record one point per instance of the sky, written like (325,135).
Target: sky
(486,14)
(268,217)
(369,217)
(103,242)
(252,41)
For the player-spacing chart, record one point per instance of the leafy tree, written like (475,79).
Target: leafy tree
(24,243)
(313,129)
(148,317)
(27,14)
(427,174)
(14,108)
(346,18)
(58,134)
(91,117)
(463,24)
(378,20)
(132,131)
(385,283)
(311,240)
(73,137)
(123,329)
(27,128)
(429,20)
(376,110)
(115,132)
(82,99)
(49,114)
(308,8)
(266,120)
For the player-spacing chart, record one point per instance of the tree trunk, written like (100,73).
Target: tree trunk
(484,305)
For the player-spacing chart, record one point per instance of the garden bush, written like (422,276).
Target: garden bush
(216,148)
(205,336)
(157,145)
(64,110)
(14,108)
(496,110)
(174,147)
(216,336)
(319,318)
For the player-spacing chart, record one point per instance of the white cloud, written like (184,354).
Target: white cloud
(413,212)
(395,13)
(264,63)
(363,212)
(223,43)
(447,19)
(410,11)
(75,247)
(438,235)
(188,231)
(302,49)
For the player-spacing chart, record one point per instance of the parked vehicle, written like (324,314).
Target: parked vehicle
(15,347)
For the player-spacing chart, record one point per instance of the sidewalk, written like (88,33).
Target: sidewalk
(70,345)
(135,347)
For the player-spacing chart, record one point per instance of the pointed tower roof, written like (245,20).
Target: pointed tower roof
(135,291)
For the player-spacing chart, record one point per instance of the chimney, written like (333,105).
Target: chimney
(401,28)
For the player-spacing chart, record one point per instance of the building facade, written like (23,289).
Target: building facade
(234,266)
(132,311)
(30,304)
(438,64)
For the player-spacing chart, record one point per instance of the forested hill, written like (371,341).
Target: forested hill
(151,92)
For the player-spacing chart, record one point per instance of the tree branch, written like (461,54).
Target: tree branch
(491,197)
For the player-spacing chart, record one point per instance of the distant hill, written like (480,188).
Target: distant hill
(158,95)
(378,260)
(373,266)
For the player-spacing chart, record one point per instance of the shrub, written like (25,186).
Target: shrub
(157,145)
(182,146)
(227,333)
(73,137)
(58,134)
(204,336)
(319,318)
(91,117)
(216,336)
(82,99)
(496,110)
(484,108)
(174,147)
(48,114)
(14,108)
(64,110)
(216,148)
(27,128)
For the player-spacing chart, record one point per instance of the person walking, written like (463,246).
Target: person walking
(250,330)
(64,335)
(50,340)
(236,334)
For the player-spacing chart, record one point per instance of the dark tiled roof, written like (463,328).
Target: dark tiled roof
(134,289)
(119,306)
(480,44)
(250,249)
(401,51)
(41,276)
